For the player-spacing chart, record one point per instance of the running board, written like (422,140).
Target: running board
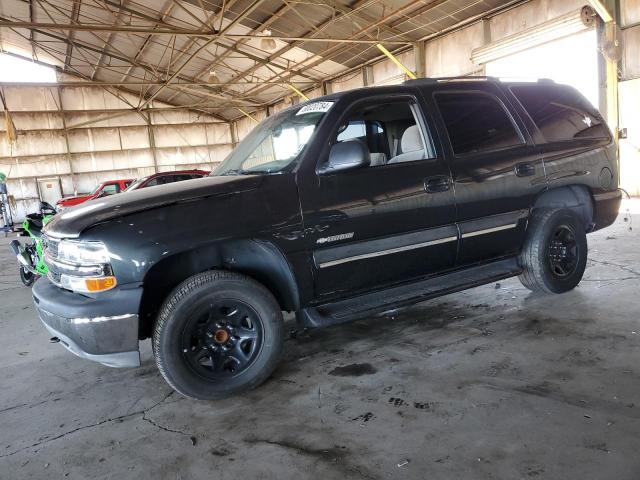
(405,295)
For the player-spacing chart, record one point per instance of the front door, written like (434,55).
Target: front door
(496,168)
(387,222)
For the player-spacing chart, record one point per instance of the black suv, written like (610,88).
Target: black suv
(349,205)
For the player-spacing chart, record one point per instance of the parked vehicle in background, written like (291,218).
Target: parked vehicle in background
(164,178)
(110,187)
(350,205)
(30,256)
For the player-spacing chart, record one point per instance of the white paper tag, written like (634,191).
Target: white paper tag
(315,107)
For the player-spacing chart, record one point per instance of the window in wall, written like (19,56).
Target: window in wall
(14,69)
(560,112)
(390,131)
(476,122)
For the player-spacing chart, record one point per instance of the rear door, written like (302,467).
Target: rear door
(497,170)
(388,222)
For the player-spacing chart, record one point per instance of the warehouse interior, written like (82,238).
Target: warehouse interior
(492,382)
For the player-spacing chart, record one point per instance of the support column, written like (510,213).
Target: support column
(420,55)
(66,140)
(152,141)
(367,76)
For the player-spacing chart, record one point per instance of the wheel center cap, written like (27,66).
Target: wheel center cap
(221,336)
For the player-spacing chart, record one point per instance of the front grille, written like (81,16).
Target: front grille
(50,250)
(50,246)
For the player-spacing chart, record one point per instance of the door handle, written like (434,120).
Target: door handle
(525,170)
(439,183)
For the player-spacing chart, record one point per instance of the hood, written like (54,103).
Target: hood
(71,222)
(73,200)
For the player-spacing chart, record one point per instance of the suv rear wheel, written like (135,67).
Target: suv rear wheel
(218,333)
(555,253)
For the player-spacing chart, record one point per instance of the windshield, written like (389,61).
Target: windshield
(97,189)
(275,143)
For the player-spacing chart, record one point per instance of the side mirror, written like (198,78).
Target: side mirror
(347,156)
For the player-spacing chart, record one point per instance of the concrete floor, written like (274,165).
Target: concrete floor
(489,383)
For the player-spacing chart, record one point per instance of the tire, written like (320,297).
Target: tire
(218,333)
(547,267)
(27,277)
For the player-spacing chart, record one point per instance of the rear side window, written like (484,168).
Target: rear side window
(560,112)
(181,178)
(476,122)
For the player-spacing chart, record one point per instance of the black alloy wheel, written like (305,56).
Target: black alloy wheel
(563,251)
(222,340)
(217,334)
(554,255)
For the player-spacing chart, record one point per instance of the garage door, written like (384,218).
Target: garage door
(572,60)
(564,49)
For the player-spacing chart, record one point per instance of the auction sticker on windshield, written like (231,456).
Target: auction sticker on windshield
(315,107)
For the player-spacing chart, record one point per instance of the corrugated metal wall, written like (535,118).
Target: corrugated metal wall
(115,144)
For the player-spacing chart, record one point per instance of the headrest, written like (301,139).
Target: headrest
(411,140)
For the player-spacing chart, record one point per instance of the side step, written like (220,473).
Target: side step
(407,294)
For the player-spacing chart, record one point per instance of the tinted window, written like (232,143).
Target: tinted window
(476,122)
(184,176)
(560,112)
(152,183)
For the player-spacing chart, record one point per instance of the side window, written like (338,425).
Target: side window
(391,132)
(354,129)
(560,112)
(110,189)
(476,122)
(152,183)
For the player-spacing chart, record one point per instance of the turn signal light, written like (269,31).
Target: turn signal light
(100,284)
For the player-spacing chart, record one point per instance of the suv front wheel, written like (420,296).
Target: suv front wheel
(555,252)
(218,333)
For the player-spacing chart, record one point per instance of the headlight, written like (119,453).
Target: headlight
(82,267)
(87,285)
(91,253)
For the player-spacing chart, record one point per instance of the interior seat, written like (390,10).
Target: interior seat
(412,146)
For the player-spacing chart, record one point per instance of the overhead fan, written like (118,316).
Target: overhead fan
(611,42)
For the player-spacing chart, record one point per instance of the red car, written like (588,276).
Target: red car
(166,177)
(110,187)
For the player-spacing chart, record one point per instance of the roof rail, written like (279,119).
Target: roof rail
(434,80)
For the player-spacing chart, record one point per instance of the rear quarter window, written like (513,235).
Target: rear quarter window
(561,113)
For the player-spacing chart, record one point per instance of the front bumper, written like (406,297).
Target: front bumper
(103,329)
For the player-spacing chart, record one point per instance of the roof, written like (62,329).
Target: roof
(220,56)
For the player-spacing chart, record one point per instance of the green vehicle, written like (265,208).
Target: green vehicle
(30,256)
